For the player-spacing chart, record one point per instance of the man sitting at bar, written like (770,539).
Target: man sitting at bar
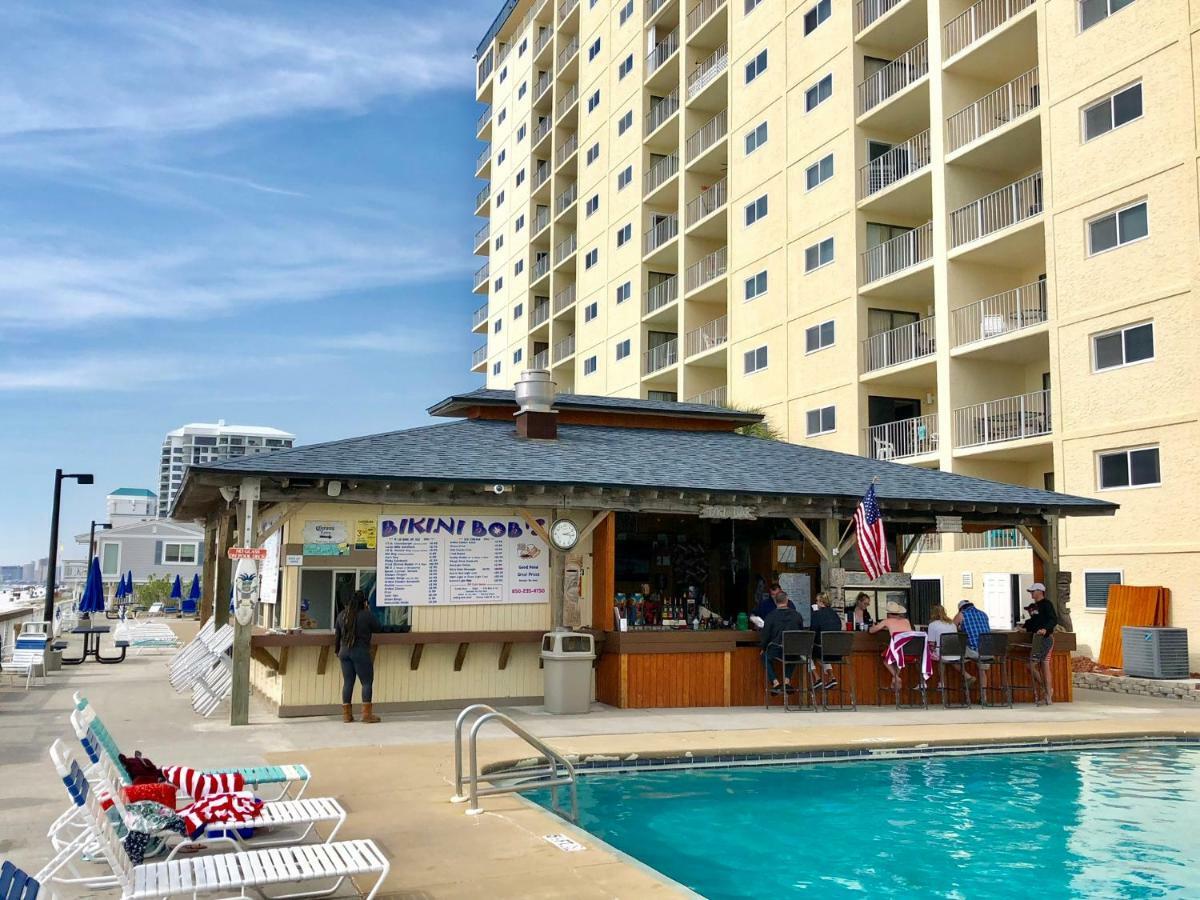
(766,606)
(782,618)
(973,622)
(824,619)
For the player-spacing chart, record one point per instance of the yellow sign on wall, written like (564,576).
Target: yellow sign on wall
(364,534)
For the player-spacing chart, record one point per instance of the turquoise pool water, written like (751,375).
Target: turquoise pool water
(1094,823)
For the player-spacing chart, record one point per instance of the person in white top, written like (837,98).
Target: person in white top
(939,624)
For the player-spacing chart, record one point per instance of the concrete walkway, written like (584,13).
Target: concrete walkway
(395,778)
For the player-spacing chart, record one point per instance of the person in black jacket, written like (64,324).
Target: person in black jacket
(1041,625)
(824,619)
(783,618)
(352,636)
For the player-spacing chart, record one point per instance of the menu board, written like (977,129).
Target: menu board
(448,560)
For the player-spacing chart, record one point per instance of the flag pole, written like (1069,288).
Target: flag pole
(850,524)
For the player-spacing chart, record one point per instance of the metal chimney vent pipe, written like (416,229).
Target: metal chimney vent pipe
(534,391)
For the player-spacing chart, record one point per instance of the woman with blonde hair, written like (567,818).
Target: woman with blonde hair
(939,624)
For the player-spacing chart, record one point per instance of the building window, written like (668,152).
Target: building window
(818,337)
(520,178)
(754,360)
(496,368)
(500,199)
(1137,467)
(520,222)
(625,67)
(592,204)
(625,122)
(496,326)
(817,15)
(818,93)
(624,234)
(818,255)
(756,66)
(751,5)
(518,310)
(593,153)
(589,366)
(523,47)
(624,291)
(626,12)
(110,558)
(498,283)
(499,242)
(591,311)
(624,177)
(756,138)
(522,89)
(1122,226)
(1093,11)
(593,101)
(820,421)
(521,132)
(622,349)
(592,257)
(519,267)
(756,210)
(594,49)
(517,355)
(503,74)
(500,157)
(819,172)
(1095,588)
(500,118)
(1123,347)
(1112,112)
(756,285)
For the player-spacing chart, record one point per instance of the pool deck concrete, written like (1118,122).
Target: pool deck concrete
(395,779)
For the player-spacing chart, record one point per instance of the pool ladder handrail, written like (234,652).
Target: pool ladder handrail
(548,776)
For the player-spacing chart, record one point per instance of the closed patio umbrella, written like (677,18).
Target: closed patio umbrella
(193,597)
(177,589)
(129,583)
(92,600)
(119,593)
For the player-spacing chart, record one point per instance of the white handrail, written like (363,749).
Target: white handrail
(994,110)
(662,51)
(566,149)
(564,248)
(660,357)
(907,68)
(707,135)
(708,336)
(899,253)
(979,19)
(992,212)
(895,165)
(701,13)
(903,438)
(1003,313)
(661,294)
(565,54)
(661,111)
(867,11)
(707,71)
(714,397)
(705,269)
(659,173)
(666,230)
(564,348)
(899,345)
(564,298)
(709,201)
(1006,419)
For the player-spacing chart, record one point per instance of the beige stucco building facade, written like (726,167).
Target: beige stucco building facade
(951,235)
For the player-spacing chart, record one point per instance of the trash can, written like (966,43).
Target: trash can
(567,662)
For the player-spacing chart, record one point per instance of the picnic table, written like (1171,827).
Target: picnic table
(91,646)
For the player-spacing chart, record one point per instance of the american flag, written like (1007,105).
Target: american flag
(872,542)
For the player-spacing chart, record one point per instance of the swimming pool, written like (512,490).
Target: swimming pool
(1082,823)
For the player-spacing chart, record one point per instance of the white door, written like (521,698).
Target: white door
(997,599)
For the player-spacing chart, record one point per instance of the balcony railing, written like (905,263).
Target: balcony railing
(484,155)
(982,17)
(994,110)
(566,150)
(565,54)
(564,249)
(707,134)
(1011,204)
(1007,419)
(479,316)
(482,197)
(478,356)
(541,265)
(485,68)
(502,51)
(564,348)
(708,268)
(707,203)
(661,111)
(1002,313)
(901,252)
(708,71)
(484,118)
(899,345)
(662,52)
(867,11)
(701,13)
(481,275)
(658,358)
(565,7)
(541,85)
(897,164)
(663,170)
(540,175)
(540,220)
(993,539)
(653,6)
(483,234)
(715,397)
(661,294)
(906,69)
(708,336)
(540,360)
(907,437)
(540,42)
(541,130)
(566,101)
(564,298)
(539,314)
(566,198)
(667,229)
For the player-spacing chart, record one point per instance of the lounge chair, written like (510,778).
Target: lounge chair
(15,884)
(231,874)
(196,657)
(27,656)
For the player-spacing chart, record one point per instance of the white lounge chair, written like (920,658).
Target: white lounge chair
(195,660)
(27,656)
(233,874)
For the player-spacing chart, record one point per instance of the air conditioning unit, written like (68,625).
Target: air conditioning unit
(1155,652)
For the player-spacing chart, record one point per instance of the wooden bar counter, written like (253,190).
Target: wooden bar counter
(663,669)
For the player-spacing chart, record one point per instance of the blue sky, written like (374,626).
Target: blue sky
(247,211)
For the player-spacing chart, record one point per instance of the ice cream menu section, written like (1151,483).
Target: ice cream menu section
(446,560)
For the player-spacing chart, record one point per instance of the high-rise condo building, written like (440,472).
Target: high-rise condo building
(947,234)
(208,443)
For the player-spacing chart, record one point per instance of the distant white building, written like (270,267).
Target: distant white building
(200,443)
(129,505)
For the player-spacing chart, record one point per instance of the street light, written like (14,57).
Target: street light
(103,526)
(52,562)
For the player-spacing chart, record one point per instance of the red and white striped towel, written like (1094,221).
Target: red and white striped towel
(894,653)
(213,809)
(198,785)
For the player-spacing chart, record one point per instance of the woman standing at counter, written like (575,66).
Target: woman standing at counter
(352,636)
(860,617)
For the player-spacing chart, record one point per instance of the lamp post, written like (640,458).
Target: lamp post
(103,526)
(52,562)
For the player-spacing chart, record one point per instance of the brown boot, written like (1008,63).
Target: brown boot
(347,712)
(367,715)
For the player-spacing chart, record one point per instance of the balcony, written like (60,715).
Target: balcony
(479,318)
(701,13)
(708,202)
(905,439)
(995,111)
(539,269)
(993,539)
(1006,313)
(565,103)
(1000,421)
(541,221)
(481,238)
(541,174)
(566,150)
(652,7)
(706,270)
(566,7)
(564,348)
(540,360)
(894,256)
(980,19)
(1012,204)
(567,53)
(706,136)
(659,174)
(565,199)
(482,160)
(707,72)
(661,357)
(482,198)
(564,299)
(661,111)
(866,12)
(660,234)
(539,315)
(478,358)
(894,166)
(663,51)
(542,41)
(899,345)
(540,131)
(564,249)
(483,122)
(481,278)
(484,70)
(661,295)
(716,397)
(541,85)
(708,336)
(898,75)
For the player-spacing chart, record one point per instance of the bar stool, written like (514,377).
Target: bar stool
(952,653)
(993,653)
(913,652)
(837,649)
(796,650)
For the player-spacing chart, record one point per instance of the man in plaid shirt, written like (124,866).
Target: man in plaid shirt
(974,622)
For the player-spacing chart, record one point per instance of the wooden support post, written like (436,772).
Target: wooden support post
(904,551)
(239,700)
(1061,599)
(604,553)
(829,539)
(813,540)
(461,656)
(505,652)
(323,658)
(218,589)
(208,576)
(414,661)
